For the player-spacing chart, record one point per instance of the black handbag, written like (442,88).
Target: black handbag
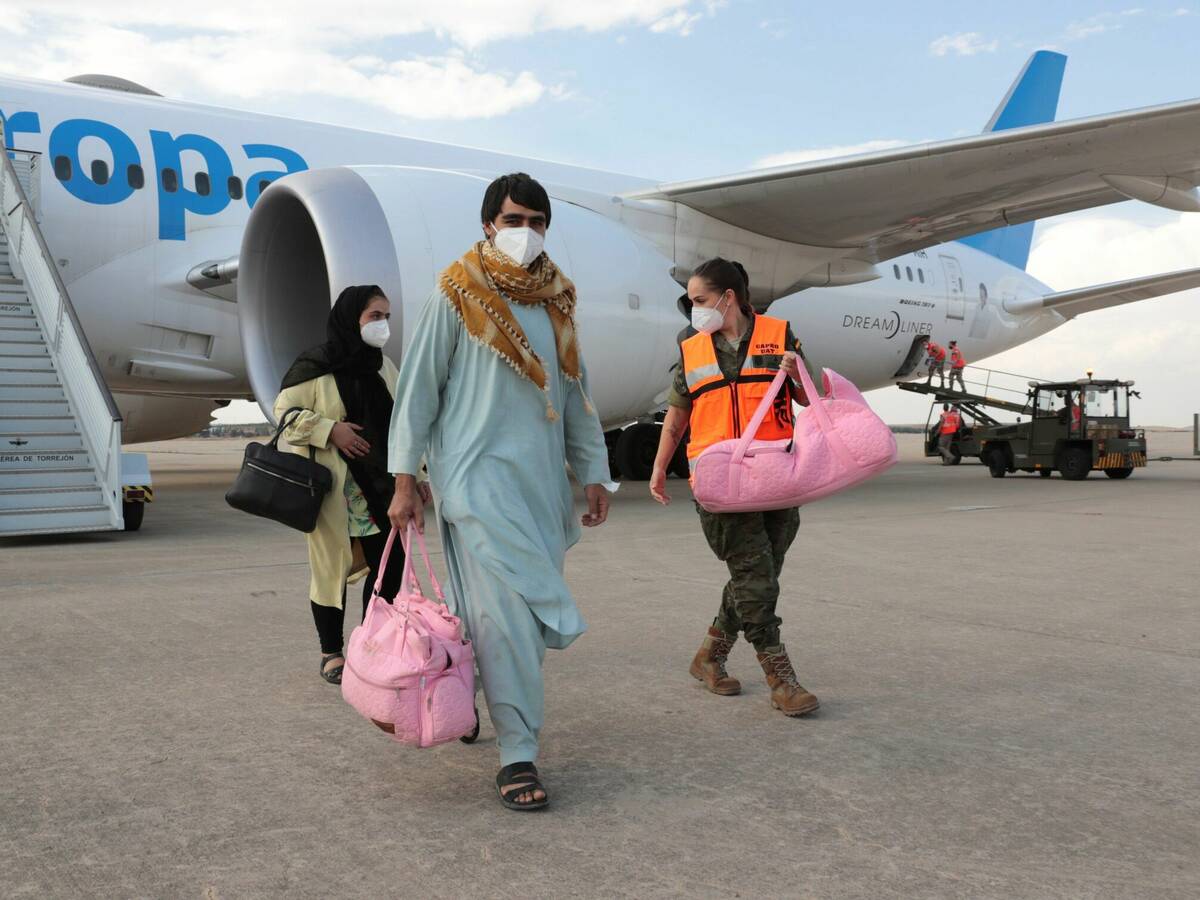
(279,485)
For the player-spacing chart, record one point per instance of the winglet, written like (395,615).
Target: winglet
(1031,100)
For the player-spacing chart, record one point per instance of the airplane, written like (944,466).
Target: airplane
(201,247)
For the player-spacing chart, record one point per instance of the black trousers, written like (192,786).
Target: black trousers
(330,620)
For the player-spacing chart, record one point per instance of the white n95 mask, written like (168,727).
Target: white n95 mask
(376,334)
(523,244)
(707,321)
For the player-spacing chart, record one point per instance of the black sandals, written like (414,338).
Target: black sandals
(523,778)
(334,675)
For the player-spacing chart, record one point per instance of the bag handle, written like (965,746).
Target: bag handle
(284,424)
(408,577)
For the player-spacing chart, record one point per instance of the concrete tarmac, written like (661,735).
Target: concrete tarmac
(1008,672)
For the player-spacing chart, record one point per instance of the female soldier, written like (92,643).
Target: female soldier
(345,388)
(726,369)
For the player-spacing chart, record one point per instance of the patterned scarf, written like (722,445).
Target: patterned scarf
(473,285)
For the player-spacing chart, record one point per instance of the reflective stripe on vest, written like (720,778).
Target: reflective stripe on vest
(722,409)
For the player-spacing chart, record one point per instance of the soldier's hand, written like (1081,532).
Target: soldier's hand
(658,486)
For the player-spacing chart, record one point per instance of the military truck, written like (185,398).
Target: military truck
(1069,426)
(1073,427)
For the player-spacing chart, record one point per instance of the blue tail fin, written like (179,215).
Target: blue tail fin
(1032,100)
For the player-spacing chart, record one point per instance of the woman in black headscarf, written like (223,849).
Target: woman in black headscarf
(344,388)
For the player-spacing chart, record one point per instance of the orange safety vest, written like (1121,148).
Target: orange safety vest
(956,359)
(950,422)
(722,409)
(936,351)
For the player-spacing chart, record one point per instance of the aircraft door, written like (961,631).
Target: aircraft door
(956,300)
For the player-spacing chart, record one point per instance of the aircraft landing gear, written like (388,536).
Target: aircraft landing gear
(631,452)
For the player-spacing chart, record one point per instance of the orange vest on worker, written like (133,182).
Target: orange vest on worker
(950,422)
(722,409)
(957,361)
(936,351)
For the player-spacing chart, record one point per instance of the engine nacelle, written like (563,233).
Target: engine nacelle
(313,233)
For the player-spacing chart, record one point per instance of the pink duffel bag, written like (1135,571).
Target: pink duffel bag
(408,668)
(838,442)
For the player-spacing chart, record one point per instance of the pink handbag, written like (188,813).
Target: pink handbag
(837,443)
(408,668)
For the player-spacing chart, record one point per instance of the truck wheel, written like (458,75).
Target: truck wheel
(1075,464)
(955,456)
(636,449)
(132,511)
(1119,473)
(997,462)
(1045,473)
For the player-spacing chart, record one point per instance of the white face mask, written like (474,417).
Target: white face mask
(376,334)
(521,244)
(707,320)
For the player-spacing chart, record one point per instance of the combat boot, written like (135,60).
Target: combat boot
(709,664)
(787,695)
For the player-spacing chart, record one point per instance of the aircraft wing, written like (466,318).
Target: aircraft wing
(1102,296)
(878,205)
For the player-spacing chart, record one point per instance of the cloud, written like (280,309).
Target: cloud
(790,157)
(967,43)
(226,52)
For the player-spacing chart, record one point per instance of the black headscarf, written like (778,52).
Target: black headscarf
(355,366)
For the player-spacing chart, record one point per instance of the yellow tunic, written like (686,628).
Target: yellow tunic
(330,555)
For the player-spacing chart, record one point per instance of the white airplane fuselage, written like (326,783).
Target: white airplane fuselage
(124,251)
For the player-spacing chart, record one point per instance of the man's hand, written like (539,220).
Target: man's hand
(658,486)
(407,505)
(597,498)
(345,437)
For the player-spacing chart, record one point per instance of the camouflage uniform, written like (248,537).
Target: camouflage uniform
(752,545)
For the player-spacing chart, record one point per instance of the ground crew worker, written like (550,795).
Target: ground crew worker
(957,364)
(936,361)
(727,367)
(948,425)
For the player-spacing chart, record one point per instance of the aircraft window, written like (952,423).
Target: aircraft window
(99,171)
(921,275)
(896,270)
(170,180)
(262,184)
(136,177)
(62,168)
(908,270)
(235,188)
(203,184)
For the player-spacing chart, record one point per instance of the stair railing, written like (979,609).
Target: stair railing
(91,401)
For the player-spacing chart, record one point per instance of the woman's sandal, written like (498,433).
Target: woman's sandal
(472,736)
(334,675)
(523,778)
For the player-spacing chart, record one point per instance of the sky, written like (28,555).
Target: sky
(676,89)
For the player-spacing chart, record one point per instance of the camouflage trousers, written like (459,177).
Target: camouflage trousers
(753,546)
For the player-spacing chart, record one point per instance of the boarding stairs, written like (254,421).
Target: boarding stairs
(985,389)
(60,432)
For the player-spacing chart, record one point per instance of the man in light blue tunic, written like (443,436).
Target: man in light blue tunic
(493,394)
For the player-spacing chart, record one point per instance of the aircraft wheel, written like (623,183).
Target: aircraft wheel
(679,464)
(133,511)
(1075,464)
(610,440)
(636,449)
(1119,473)
(1045,473)
(997,462)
